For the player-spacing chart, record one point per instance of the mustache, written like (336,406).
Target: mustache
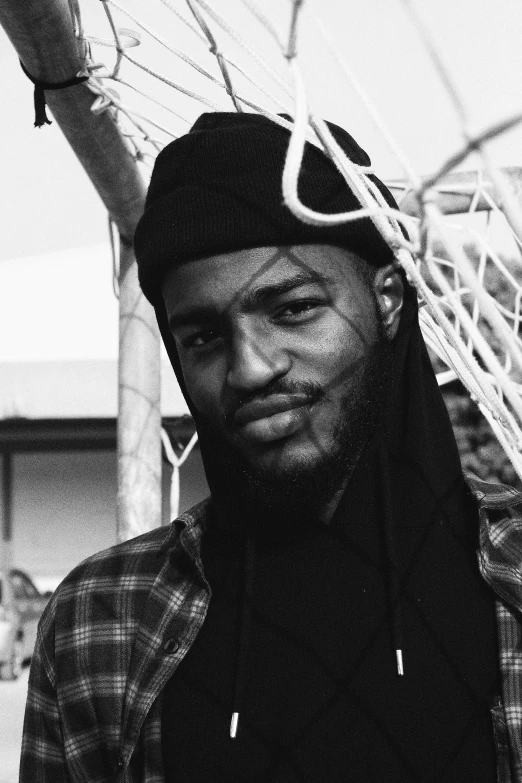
(313,391)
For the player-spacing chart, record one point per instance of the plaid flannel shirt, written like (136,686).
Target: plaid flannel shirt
(120,623)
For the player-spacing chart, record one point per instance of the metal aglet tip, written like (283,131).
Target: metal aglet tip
(400,666)
(233,725)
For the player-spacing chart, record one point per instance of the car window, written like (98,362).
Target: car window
(18,586)
(30,589)
(23,588)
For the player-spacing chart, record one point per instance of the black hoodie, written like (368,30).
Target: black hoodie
(305,618)
(324,607)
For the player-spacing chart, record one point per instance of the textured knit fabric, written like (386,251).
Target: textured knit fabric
(218,189)
(121,622)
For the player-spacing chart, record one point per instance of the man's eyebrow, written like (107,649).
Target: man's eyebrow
(264,294)
(196,315)
(251,301)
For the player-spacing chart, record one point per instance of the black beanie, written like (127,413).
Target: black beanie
(218,189)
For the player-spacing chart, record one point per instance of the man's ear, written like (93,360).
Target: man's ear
(389,289)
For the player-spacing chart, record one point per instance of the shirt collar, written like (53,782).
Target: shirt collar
(491,495)
(191,523)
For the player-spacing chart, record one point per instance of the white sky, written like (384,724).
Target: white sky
(48,204)
(37,321)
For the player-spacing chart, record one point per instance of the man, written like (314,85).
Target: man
(322,617)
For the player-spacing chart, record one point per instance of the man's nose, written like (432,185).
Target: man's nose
(254,361)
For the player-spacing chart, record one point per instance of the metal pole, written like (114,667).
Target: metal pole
(456,191)
(7,512)
(139,419)
(43,36)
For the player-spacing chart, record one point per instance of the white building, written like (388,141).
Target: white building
(58,400)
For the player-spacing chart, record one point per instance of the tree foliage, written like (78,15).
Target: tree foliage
(479,449)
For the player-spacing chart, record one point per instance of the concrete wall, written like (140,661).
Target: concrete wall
(64,508)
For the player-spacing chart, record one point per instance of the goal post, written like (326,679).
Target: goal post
(43,35)
(474,336)
(456,192)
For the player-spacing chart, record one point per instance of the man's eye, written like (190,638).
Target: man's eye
(294,310)
(200,339)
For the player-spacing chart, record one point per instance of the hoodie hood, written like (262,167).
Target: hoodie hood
(410,466)
(409,471)
(412,460)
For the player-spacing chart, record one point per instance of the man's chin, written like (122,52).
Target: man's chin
(284,460)
(293,477)
(281,479)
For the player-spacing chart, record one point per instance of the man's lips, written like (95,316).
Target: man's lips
(269,406)
(273,417)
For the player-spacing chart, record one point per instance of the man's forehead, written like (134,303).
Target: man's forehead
(237,272)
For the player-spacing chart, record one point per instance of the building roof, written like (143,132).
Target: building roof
(18,435)
(73,390)
(59,346)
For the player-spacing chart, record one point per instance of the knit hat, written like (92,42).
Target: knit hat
(218,189)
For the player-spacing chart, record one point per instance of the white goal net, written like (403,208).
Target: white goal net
(392,75)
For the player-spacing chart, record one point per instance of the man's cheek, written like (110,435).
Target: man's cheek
(198,386)
(206,401)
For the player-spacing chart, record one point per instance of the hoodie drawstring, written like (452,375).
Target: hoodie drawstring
(393,568)
(244,634)
(248,585)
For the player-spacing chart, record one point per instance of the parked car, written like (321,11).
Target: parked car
(21,605)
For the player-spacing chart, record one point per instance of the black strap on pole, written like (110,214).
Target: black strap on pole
(40,116)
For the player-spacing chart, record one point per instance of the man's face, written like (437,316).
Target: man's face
(275,344)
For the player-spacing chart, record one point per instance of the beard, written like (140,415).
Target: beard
(277,497)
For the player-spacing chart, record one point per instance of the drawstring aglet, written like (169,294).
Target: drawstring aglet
(233,725)
(400,666)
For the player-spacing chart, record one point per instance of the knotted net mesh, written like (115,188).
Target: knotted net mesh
(155,67)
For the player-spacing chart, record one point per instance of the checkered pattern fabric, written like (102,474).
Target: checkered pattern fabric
(120,623)
(500,561)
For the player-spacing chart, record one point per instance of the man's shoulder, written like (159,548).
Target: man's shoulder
(493,495)
(137,559)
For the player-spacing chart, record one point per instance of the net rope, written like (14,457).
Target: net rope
(474,334)
(176,462)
